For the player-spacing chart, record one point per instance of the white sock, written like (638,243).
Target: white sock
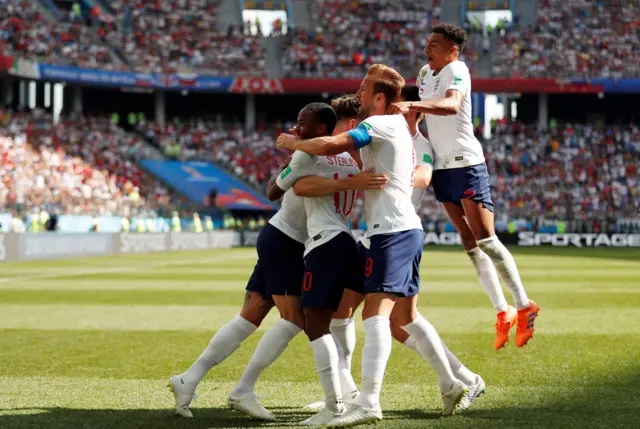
(431,350)
(460,371)
(326,357)
(486,272)
(270,347)
(375,354)
(412,344)
(506,266)
(344,334)
(222,344)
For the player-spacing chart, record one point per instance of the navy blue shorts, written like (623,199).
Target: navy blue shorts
(455,184)
(393,263)
(329,269)
(280,265)
(358,284)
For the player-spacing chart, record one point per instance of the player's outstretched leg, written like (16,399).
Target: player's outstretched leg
(473,381)
(429,344)
(486,272)
(481,223)
(272,344)
(223,343)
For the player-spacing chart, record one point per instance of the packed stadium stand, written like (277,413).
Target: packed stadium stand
(582,39)
(84,166)
(576,170)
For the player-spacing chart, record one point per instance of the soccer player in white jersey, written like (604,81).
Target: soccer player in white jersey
(461,179)
(330,255)
(277,278)
(342,323)
(392,276)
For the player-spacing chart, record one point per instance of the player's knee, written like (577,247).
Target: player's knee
(294,316)
(256,308)
(317,323)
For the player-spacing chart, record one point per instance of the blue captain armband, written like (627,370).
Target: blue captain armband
(360,136)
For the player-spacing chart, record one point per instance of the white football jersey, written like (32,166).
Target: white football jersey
(424,155)
(326,216)
(387,146)
(452,138)
(291,219)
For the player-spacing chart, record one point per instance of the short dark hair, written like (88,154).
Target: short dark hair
(346,106)
(452,33)
(324,114)
(410,93)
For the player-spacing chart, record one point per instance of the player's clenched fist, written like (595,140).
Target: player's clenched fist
(368,180)
(286,141)
(401,107)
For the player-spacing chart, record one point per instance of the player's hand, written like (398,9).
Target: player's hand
(401,107)
(286,141)
(368,180)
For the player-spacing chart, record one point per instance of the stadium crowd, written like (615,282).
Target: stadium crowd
(185,36)
(82,166)
(250,155)
(26,32)
(348,36)
(574,38)
(568,171)
(581,39)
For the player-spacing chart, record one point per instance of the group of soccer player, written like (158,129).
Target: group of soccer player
(312,269)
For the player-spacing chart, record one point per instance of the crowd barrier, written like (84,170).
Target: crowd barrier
(51,245)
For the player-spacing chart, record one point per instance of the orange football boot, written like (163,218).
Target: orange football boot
(525,329)
(505,322)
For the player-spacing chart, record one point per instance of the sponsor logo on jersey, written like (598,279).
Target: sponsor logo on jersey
(426,158)
(457,80)
(366,126)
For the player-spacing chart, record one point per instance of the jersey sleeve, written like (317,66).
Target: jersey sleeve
(457,77)
(302,164)
(371,128)
(424,152)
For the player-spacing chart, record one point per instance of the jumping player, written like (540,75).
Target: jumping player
(395,233)
(461,179)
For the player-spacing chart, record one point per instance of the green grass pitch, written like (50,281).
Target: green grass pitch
(91,343)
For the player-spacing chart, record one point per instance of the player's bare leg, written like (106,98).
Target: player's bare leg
(223,343)
(481,221)
(272,344)
(486,272)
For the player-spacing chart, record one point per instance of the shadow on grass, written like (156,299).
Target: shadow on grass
(601,403)
(616,253)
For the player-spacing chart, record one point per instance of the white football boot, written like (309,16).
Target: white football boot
(183,395)
(475,391)
(452,398)
(250,406)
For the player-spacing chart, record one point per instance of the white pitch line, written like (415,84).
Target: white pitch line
(142,265)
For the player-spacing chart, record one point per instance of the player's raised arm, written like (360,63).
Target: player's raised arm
(322,146)
(447,106)
(313,186)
